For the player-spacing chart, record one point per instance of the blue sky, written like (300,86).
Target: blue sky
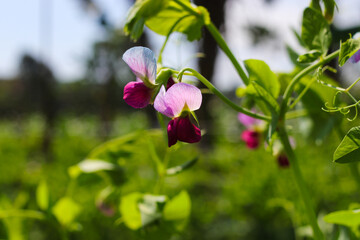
(74,31)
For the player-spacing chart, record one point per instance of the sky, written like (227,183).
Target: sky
(63,36)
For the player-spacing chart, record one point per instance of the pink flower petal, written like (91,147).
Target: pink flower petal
(160,104)
(180,94)
(248,121)
(137,95)
(183,130)
(142,62)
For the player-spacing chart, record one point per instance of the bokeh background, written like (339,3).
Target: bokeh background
(61,81)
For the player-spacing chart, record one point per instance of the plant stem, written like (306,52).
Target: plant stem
(214,90)
(294,165)
(223,45)
(297,78)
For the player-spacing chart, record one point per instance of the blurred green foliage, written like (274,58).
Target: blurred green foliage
(235,193)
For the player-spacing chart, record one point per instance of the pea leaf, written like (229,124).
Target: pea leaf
(347,49)
(349,148)
(175,18)
(260,72)
(315,31)
(309,56)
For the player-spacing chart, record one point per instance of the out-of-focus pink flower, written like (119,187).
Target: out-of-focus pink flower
(106,209)
(248,121)
(177,103)
(251,138)
(142,63)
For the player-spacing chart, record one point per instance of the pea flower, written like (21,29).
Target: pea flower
(252,135)
(142,62)
(178,102)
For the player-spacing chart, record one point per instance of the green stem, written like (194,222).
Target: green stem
(223,45)
(294,165)
(162,174)
(214,90)
(297,78)
(303,92)
(352,85)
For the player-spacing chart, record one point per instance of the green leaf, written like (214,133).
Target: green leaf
(350,218)
(129,210)
(266,96)
(178,209)
(42,196)
(175,18)
(139,210)
(260,72)
(309,56)
(315,31)
(151,208)
(66,210)
(178,169)
(141,10)
(349,148)
(347,49)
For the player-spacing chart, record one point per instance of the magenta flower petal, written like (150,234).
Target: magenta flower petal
(183,130)
(137,95)
(160,104)
(187,132)
(142,62)
(177,97)
(172,132)
(251,138)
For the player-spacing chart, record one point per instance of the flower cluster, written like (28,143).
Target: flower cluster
(177,101)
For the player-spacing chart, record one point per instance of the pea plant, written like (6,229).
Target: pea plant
(274,100)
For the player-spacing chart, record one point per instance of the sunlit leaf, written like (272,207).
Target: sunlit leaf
(66,210)
(178,19)
(140,11)
(350,218)
(349,148)
(42,195)
(178,209)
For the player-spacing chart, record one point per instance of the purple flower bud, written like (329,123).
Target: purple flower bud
(283,161)
(183,130)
